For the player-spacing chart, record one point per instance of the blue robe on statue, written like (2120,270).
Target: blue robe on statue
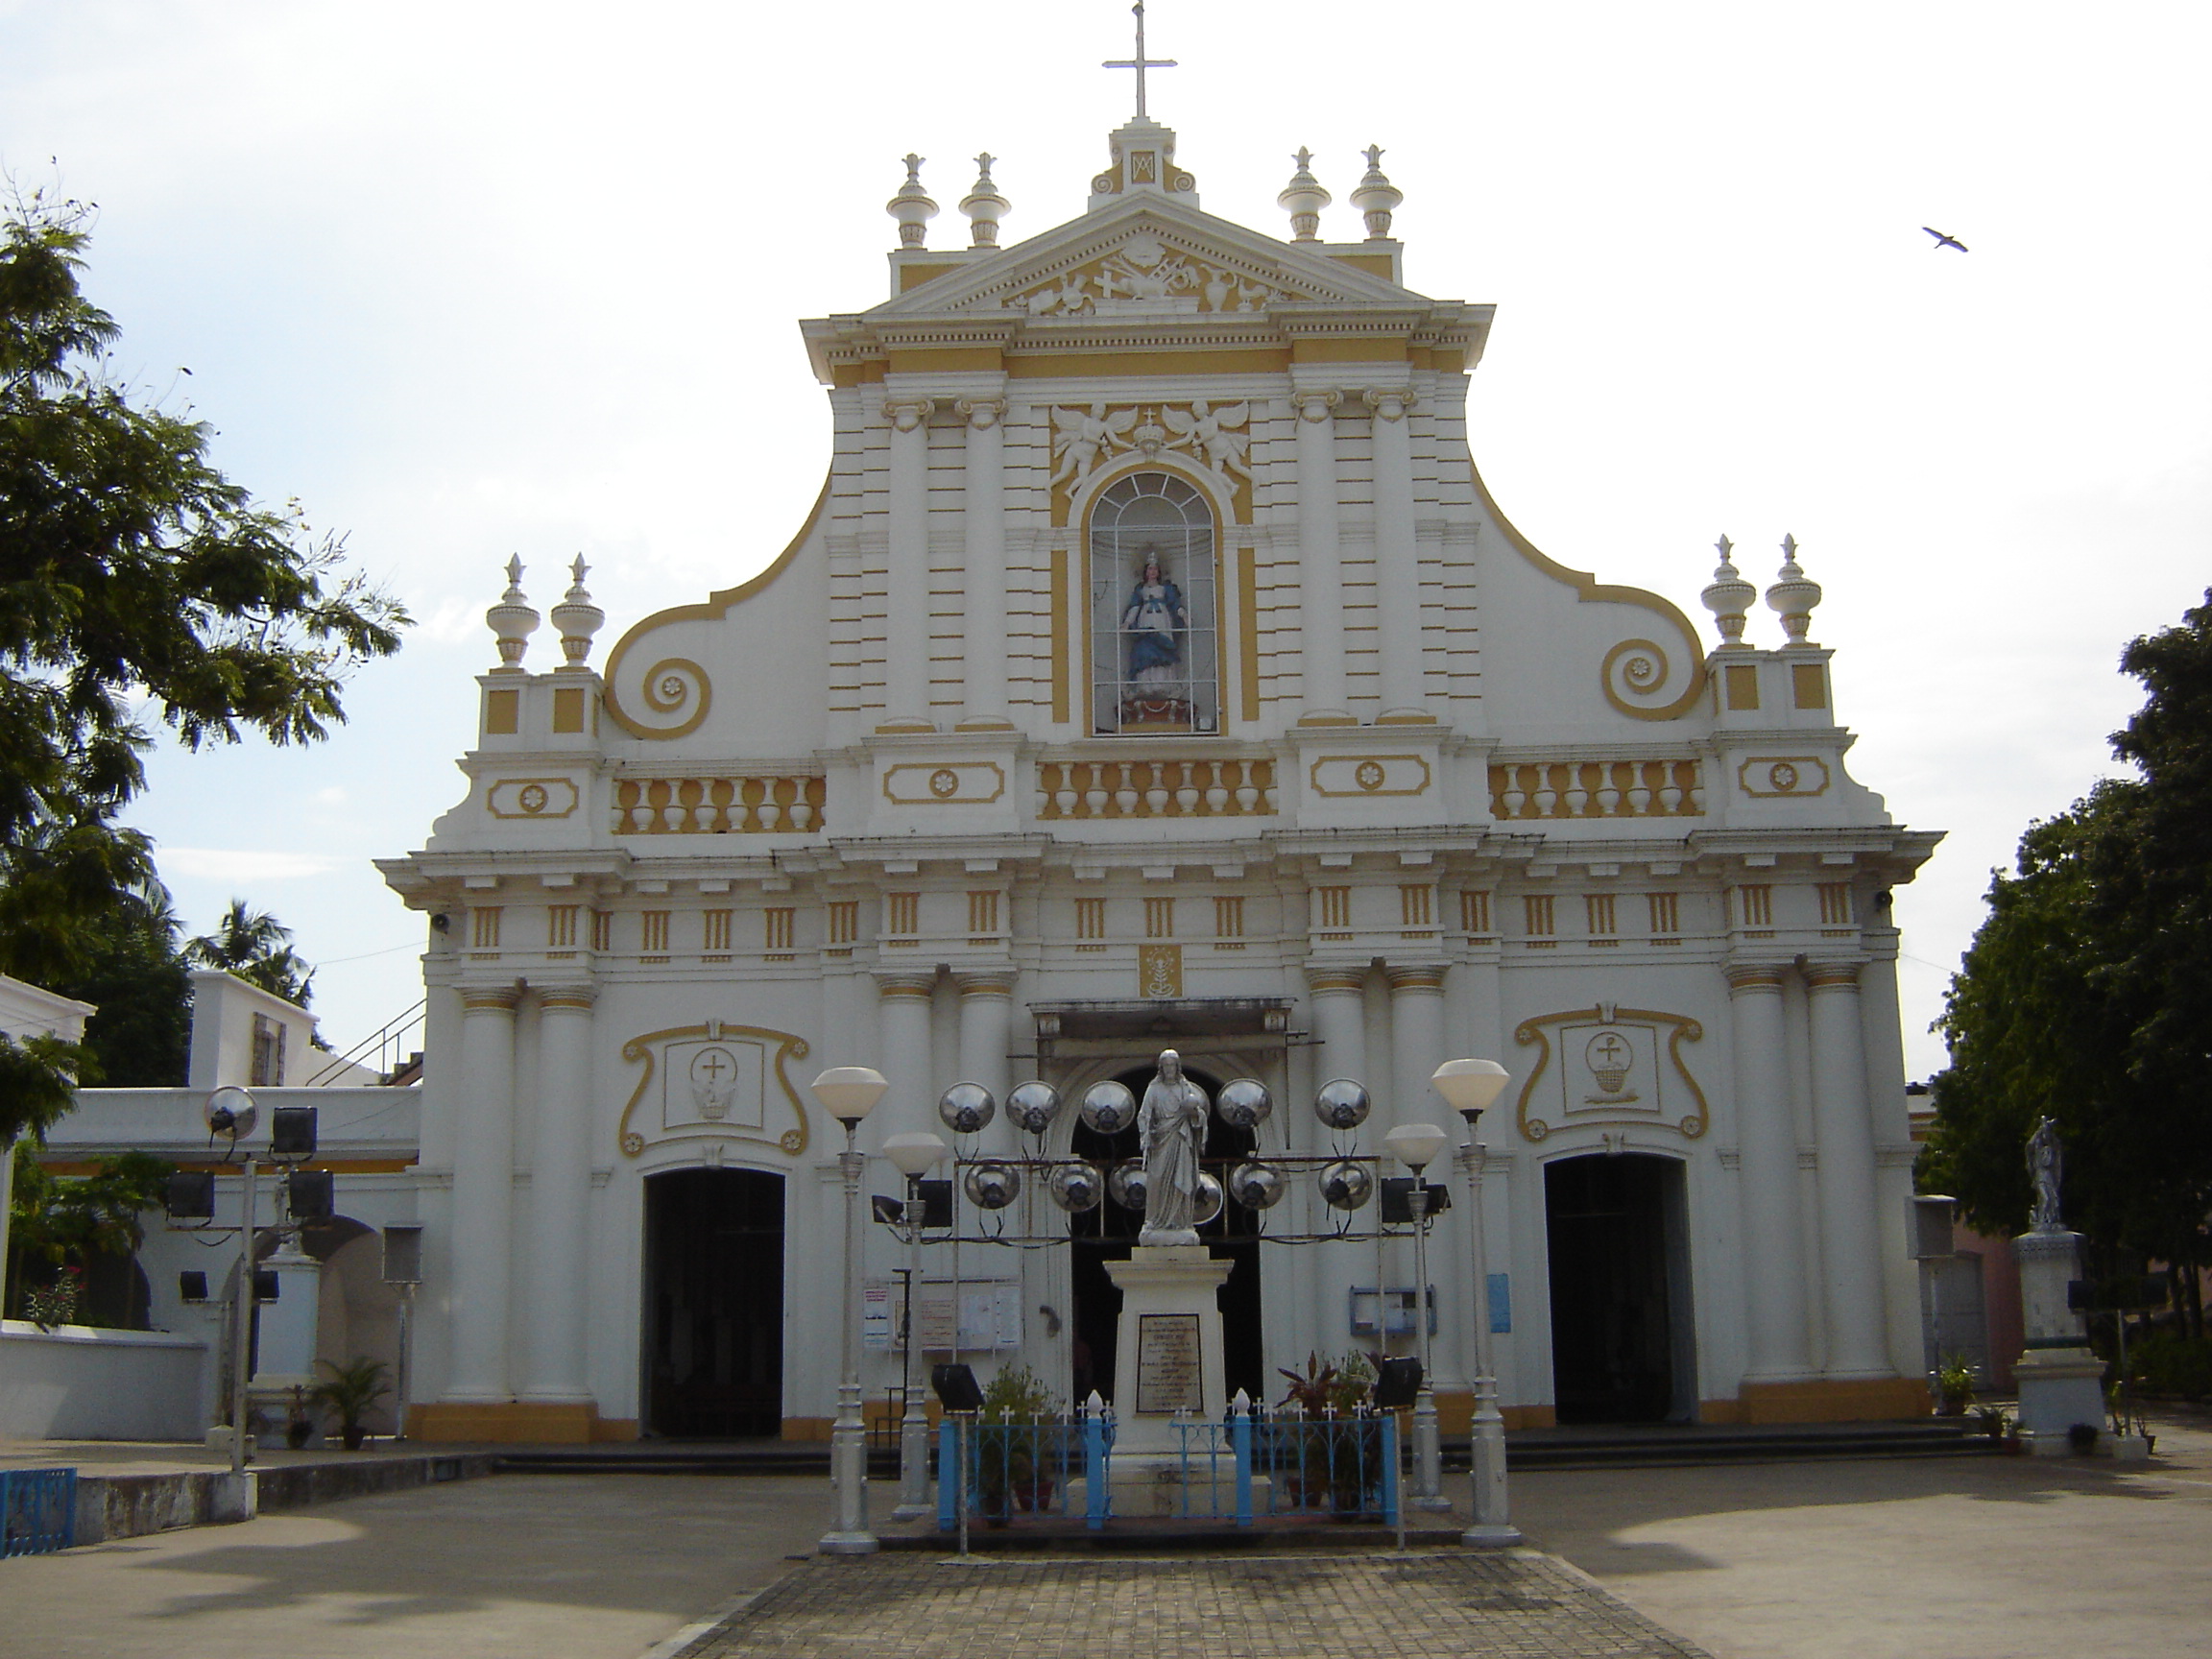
(1154,614)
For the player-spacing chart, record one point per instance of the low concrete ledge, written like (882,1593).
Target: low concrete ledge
(112,1506)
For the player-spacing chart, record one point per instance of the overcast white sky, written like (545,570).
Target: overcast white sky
(474,279)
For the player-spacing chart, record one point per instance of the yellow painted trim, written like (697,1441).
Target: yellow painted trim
(1375,264)
(944,359)
(1816,1400)
(1362,348)
(1248,627)
(1589,591)
(914,276)
(847,374)
(1060,664)
(717,607)
(1113,362)
(508,1422)
(502,712)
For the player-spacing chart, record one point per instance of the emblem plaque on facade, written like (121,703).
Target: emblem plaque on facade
(1610,1065)
(1159,971)
(715,1080)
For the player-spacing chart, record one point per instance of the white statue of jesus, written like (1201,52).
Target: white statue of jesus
(1170,1133)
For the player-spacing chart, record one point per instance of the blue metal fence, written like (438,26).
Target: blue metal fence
(1251,1464)
(38,1510)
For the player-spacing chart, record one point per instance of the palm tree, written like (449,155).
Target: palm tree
(257,948)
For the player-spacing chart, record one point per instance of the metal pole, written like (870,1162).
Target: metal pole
(849,1438)
(1492,1523)
(400,1404)
(1428,1452)
(914,1423)
(960,1474)
(242,1325)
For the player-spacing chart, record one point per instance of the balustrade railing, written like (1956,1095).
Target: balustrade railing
(1156,788)
(717,805)
(1596,789)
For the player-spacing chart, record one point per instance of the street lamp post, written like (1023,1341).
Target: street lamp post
(915,1155)
(848,1093)
(1415,1145)
(1470,1086)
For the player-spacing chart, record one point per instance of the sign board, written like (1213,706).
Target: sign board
(1167,1363)
(990,1315)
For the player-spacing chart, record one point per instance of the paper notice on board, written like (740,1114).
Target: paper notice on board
(990,1316)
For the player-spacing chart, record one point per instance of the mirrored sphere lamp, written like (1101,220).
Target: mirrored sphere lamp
(915,1155)
(1256,1185)
(1346,1185)
(1416,1144)
(1125,1186)
(1076,1187)
(1471,1087)
(1342,1103)
(849,1092)
(991,1185)
(1206,1202)
(1108,1108)
(965,1107)
(1032,1106)
(1245,1103)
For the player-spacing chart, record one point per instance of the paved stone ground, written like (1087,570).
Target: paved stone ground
(1519,1605)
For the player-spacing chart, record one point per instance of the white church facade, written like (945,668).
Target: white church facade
(1154,671)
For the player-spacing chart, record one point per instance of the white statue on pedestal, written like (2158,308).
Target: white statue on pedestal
(2045,1166)
(1170,1133)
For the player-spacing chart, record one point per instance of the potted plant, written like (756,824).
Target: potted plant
(1333,1449)
(1954,1385)
(352,1390)
(1012,1462)
(299,1425)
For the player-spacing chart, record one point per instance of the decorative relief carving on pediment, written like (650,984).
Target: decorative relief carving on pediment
(1146,278)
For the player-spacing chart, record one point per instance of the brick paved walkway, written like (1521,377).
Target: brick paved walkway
(1521,1605)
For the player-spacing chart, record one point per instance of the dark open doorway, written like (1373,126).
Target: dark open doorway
(715,1304)
(1621,1350)
(1107,1233)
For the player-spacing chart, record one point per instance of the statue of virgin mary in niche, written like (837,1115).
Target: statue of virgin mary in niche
(1153,620)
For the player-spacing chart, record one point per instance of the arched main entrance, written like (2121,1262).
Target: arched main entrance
(1616,1226)
(715,1304)
(1107,1234)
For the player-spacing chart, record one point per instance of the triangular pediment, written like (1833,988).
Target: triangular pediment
(1141,261)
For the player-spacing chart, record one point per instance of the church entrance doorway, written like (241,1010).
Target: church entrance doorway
(1107,1233)
(1622,1350)
(715,1304)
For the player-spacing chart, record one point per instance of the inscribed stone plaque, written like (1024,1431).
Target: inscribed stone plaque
(1168,1377)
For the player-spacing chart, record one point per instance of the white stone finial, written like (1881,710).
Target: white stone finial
(1303,198)
(984,206)
(912,207)
(512,621)
(1376,198)
(1793,596)
(1729,598)
(577,618)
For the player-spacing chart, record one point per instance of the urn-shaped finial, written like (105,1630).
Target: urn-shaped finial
(1376,197)
(984,206)
(1793,596)
(912,207)
(512,621)
(577,618)
(1729,598)
(1303,198)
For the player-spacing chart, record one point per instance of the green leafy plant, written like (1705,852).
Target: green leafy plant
(1334,1448)
(1954,1384)
(1993,1421)
(352,1390)
(1014,1465)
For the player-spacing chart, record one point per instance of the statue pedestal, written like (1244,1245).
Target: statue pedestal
(1168,1357)
(1166,1347)
(2062,1383)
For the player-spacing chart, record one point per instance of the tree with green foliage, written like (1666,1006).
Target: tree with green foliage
(64,1224)
(2086,995)
(139,983)
(133,575)
(257,948)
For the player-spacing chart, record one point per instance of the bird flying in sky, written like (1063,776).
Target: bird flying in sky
(1943,241)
